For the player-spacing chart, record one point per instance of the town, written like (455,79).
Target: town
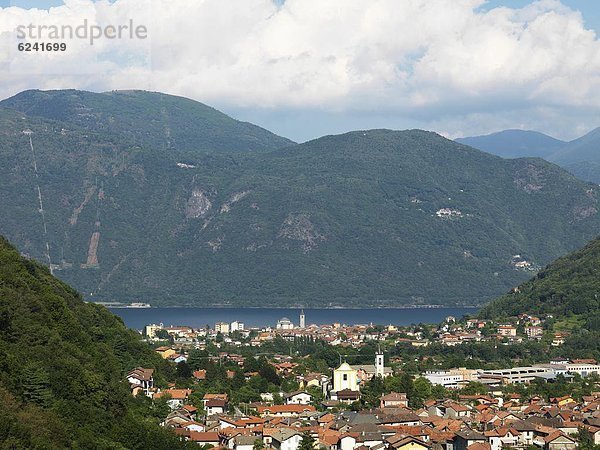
(340,387)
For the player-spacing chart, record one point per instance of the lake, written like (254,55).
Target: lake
(259,317)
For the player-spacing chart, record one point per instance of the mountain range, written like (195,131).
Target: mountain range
(581,156)
(154,198)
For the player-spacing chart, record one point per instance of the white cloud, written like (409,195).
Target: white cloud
(435,61)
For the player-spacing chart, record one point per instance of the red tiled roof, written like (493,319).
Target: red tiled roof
(176,394)
(204,436)
(200,374)
(285,408)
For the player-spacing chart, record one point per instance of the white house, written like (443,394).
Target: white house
(215,406)
(241,442)
(299,398)
(194,426)
(142,378)
(347,442)
(286,439)
(176,398)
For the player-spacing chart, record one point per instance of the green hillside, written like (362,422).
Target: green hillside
(569,286)
(147,119)
(357,219)
(567,292)
(62,367)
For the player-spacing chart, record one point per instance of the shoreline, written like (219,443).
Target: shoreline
(298,307)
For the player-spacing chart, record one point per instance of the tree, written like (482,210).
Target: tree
(474,388)
(160,407)
(258,444)
(307,442)
(36,385)
(277,399)
(407,385)
(585,440)
(372,391)
(267,371)
(198,359)
(251,364)
(238,380)
(422,391)
(183,370)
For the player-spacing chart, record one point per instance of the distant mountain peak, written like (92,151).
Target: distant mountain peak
(585,149)
(515,143)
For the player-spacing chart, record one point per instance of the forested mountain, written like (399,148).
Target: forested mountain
(515,144)
(568,286)
(373,217)
(63,366)
(147,119)
(567,290)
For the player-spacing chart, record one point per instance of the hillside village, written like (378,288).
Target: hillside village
(251,399)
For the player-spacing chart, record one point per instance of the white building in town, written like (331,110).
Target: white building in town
(151,329)
(444,378)
(236,325)
(222,327)
(345,377)
(285,324)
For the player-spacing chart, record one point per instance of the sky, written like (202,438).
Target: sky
(306,68)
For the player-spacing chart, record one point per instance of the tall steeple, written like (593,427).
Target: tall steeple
(379,363)
(302,319)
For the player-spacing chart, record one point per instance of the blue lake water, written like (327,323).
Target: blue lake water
(256,317)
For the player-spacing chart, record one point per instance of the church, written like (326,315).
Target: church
(350,377)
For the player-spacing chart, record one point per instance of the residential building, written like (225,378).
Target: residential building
(299,398)
(286,439)
(176,398)
(507,330)
(141,378)
(236,325)
(222,327)
(284,410)
(394,400)
(534,332)
(150,330)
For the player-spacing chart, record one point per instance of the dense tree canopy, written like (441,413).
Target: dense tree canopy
(62,367)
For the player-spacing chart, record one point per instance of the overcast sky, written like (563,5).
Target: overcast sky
(305,68)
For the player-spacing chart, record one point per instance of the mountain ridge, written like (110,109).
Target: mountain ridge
(148,118)
(514,143)
(580,156)
(377,217)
